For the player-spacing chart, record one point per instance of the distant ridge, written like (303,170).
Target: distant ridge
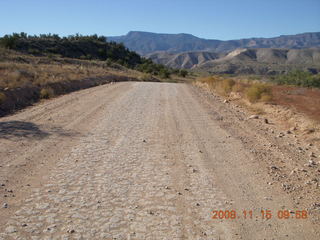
(264,61)
(146,42)
(185,60)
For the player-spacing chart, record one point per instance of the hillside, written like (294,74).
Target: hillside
(146,42)
(185,60)
(82,47)
(243,60)
(264,61)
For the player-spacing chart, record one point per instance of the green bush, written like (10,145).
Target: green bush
(298,78)
(183,73)
(164,73)
(145,77)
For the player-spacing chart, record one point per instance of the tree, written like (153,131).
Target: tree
(183,73)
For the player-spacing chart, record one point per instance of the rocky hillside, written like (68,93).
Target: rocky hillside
(264,61)
(185,60)
(243,60)
(146,42)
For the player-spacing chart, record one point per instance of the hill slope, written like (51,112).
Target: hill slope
(185,60)
(146,42)
(265,61)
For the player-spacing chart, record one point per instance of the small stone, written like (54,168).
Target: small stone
(5,205)
(198,204)
(312,155)
(254,117)
(11,229)
(71,231)
(312,163)
(289,132)
(144,140)
(266,121)
(194,170)
(225,101)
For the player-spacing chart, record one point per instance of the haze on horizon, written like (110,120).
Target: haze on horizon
(223,20)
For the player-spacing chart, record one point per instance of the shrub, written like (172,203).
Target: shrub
(266,97)
(9,41)
(227,85)
(259,92)
(46,93)
(164,73)
(238,87)
(298,78)
(221,85)
(145,77)
(2,98)
(183,73)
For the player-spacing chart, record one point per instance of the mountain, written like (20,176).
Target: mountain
(242,60)
(146,42)
(185,60)
(264,61)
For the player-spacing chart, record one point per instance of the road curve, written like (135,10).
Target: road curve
(131,161)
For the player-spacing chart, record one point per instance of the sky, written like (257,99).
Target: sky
(211,19)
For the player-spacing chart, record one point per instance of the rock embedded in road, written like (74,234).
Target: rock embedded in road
(254,117)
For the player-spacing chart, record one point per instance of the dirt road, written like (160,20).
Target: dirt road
(139,161)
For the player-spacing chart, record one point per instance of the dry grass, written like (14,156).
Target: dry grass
(222,85)
(291,106)
(254,94)
(18,70)
(259,92)
(252,91)
(46,93)
(2,97)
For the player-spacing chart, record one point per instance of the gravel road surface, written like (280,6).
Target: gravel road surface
(135,161)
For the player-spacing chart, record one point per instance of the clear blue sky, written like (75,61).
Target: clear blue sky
(214,19)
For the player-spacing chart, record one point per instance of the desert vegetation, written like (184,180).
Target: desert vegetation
(45,66)
(77,46)
(298,78)
(22,70)
(258,93)
(251,90)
